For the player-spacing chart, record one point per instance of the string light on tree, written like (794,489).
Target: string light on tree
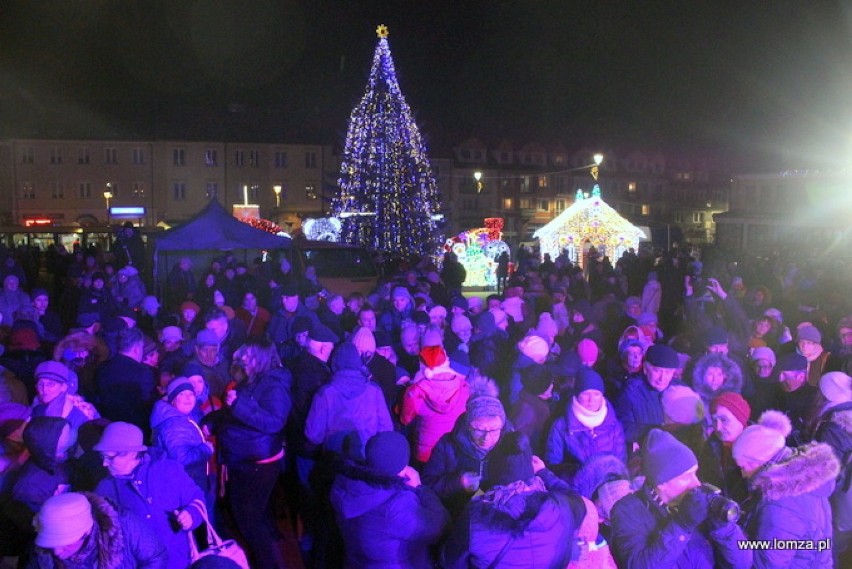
(388,199)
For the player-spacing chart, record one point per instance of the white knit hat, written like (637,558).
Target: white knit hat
(760,442)
(62,520)
(364,341)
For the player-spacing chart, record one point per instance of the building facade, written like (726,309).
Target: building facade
(66,181)
(530,185)
(799,211)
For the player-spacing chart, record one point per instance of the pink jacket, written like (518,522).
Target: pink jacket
(435,401)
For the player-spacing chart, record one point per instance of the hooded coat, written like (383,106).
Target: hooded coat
(538,528)
(385,523)
(122,542)
(790,500)
(348,410)
(574,443)
(733,378)
(835,429)
(182,439)
(433,403)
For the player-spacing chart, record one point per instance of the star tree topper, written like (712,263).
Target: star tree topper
(382,31)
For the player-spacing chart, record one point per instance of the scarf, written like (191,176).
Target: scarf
(590,419)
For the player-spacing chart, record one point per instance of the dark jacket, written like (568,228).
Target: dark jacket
(716,466)
(385,523)
(539,527)
(346,412)
(790,500)
(454,454)
(182,440)
(530,415)
(645,535)
(123,542)
(126,391)
(157,488)
(639,409)
(280,327)
(309,374)
(571,443)
(253,428)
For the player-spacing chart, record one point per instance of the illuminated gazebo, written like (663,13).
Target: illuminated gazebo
(589,222)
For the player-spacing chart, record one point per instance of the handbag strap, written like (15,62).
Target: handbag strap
(502,553)
(213,539)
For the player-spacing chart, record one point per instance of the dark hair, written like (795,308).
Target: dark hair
(214,313)
(128,338)
(264,352)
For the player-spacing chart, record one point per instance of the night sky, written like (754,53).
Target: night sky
(766,81)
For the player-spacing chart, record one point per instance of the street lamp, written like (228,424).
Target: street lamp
(478,177)
(598,158)
(107,197)
(277,190)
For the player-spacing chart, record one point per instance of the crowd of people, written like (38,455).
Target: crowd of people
(658,412)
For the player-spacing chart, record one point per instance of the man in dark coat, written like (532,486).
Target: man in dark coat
(126,387)
(387,518)
(789,492)
(640,407)
(181,283)
(526,518)
(281,325)
(667,522)
(458,461)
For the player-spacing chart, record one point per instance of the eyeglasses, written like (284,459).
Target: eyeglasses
(110,457)
(484,432)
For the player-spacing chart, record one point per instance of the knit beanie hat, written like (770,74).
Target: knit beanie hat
(509,461)
(176,386)
(346,356)
(437,311)
(401,292)
(484,406)
(364,341)
(734,403)
(587,379)
(682,405)
(588,351)
(836,387)
(387,452)
(62,520)
(664,457)
(433,356)
(763,353)
(716,336)
(663,356)
(547,326)
(809,333)
(536,379)
(760,442)
(460,323)
(792,362)
(534,347)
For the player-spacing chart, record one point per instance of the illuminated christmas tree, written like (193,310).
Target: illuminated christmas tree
(388,200)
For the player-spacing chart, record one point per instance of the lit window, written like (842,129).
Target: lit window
(646,209)
(698,217)
(507,203)
(631,187)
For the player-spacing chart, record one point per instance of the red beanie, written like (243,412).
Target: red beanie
(734,403)
(433,356)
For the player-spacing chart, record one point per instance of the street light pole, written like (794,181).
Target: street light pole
(107,197)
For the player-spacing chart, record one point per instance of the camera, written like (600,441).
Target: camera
(719,508)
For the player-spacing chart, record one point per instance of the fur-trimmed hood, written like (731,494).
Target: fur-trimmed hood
(733,375)
(358,489)
(534,511)
(843,419)
(811,468)
(598,470)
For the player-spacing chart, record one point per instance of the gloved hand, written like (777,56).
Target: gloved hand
(693,509)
